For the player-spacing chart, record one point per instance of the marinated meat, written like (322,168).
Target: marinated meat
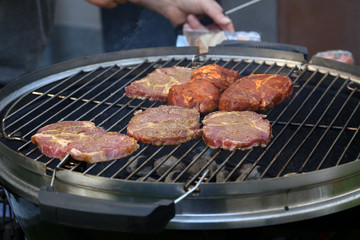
(204,89)
(156,85)
(201,95)
(101,147)
(221,77)
(53,139)
(83,141)
(165,125)
(236,130)
(256,92)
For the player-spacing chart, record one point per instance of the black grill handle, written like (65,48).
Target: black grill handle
(92,213)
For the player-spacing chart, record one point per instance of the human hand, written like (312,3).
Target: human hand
(106,3)
(181,12)
(187,12)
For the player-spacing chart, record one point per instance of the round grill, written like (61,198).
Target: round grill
(315,134)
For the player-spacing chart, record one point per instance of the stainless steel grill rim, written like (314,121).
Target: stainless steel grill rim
(289,204)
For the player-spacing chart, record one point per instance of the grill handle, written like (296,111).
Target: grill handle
(92,213)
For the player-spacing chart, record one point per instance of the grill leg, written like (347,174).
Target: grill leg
(9,228)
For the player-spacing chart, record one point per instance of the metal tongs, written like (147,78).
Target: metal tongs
(207,20)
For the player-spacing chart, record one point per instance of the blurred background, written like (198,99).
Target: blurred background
(318,25)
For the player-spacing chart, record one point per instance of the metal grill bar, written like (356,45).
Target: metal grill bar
(93,104)
(56,104)
(294,134)
(337,138)
(348,145)
(274,140)
(162,177)
(323,136)
(288,123)
(315,125)
(139,106)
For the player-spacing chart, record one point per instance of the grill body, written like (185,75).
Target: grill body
(309,169)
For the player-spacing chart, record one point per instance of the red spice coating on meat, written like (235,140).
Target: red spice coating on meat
(221,77)
(256,92)
(201,95)
(165,125)
(83,141)
(236,130)
(156,85)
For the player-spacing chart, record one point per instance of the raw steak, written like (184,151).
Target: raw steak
(236,130)
(201,95)
(165,125)
(256,92)
(156,85)
(83,141)
(102,147)
(221,77)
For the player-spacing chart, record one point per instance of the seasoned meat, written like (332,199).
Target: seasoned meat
(101,147)
(204,89)
(201,95)
(221,77)
(83,141)
(256,92)
(156,85)
(236,130)
(165,125)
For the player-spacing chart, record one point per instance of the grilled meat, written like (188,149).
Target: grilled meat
(204,89)
(201,95)
(221,77)
(256,92)
(83,141)
(165,125)
(236,130)
(156,85)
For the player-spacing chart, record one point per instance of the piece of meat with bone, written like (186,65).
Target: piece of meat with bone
(201,95)
(83,141)
(221,77)
(236,130)
(156,85)
(165,125)
(256,92)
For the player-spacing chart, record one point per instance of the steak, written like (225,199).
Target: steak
(236,130)
(83,141)
(221,77)
(202,92)
(165,125)
(101,147)
(201,95)
(156,85)
(256,92)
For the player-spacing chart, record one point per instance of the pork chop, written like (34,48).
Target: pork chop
(83,141)
(201,95)
(156,85)
(256,92)
(221,77)
(236,130)
(165,125)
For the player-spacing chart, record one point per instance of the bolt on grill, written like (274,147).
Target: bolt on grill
(317,128)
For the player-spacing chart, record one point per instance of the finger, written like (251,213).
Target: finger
(194,23)
(103,3)
(215,12)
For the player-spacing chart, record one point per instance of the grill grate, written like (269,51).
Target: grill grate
(317,128)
